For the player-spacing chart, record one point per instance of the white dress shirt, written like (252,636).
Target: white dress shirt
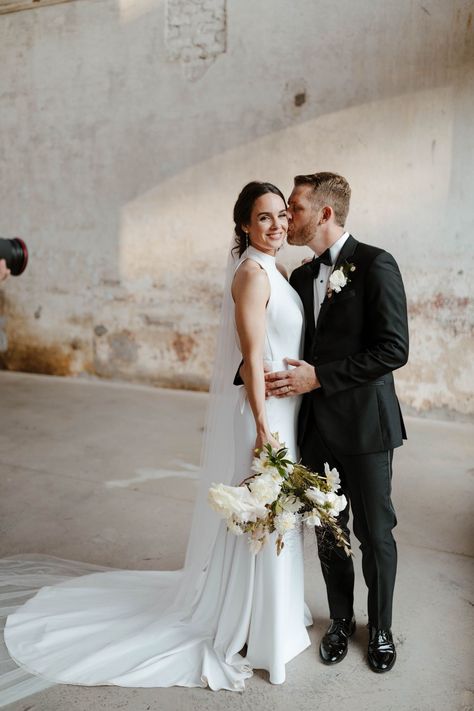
(321,281)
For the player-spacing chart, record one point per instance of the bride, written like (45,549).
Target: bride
(228,611)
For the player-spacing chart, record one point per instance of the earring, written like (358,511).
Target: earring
(246,240)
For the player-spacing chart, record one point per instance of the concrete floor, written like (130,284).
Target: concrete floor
(105,473)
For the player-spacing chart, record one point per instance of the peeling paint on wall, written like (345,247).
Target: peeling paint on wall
(439,376)
(37,358)
(183,345)
(195,34)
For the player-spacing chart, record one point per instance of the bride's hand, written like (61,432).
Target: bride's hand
(262,440)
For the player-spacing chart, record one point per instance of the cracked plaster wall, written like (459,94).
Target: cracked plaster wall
(128,129)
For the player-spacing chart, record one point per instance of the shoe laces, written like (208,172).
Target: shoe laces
(382,639)
(339,626)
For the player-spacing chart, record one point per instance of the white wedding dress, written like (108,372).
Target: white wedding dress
(146,628)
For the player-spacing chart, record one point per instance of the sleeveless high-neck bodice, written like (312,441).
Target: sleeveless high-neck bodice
(284,313)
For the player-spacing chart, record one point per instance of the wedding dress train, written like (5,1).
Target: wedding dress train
(157,629)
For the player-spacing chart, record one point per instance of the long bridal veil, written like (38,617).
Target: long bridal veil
(21,576)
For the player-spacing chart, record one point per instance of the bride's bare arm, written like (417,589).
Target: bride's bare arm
(251,291)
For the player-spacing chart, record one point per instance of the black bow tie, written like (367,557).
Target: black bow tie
(315,264)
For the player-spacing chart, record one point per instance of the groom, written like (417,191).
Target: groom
(356,335)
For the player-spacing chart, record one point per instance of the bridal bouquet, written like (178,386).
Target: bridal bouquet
(277,496)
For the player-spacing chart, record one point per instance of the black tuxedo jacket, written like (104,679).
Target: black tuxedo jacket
(360,337)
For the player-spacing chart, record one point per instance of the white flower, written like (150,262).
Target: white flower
(336,503)
(261,466)
(342,503)
(235,501)
(316,495)
(234,527)
(284,522)
(337,280)
(259,463)
(290,503)
(264,488)
(332,477)
(311,518)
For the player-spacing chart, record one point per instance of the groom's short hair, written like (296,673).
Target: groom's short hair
(329,189)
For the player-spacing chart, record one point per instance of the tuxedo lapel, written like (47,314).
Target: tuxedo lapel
(348,249)
(345,254)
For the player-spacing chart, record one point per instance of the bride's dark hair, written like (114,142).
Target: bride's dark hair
(243,209)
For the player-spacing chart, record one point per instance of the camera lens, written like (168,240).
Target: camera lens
(15,253)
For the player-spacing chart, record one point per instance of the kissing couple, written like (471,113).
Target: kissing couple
(314,357)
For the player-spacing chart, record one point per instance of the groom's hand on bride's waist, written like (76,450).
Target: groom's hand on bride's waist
(286,383)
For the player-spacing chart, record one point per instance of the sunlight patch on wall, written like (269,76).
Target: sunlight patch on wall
(131,10)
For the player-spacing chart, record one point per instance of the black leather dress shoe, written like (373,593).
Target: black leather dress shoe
(333,647)
(381,654)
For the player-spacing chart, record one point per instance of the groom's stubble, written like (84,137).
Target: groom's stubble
(304,235)
(304,220)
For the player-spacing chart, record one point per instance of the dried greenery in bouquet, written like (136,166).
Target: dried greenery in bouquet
(277,496)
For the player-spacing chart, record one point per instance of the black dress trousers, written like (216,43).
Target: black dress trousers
(366,483)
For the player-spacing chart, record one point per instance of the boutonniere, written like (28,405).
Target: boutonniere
(339,278)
